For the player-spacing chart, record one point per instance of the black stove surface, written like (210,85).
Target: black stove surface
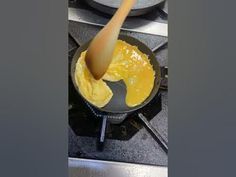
(128,141)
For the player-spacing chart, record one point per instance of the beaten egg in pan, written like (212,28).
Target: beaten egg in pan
(128,64)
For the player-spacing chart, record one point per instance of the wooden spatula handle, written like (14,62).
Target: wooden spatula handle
(122,12)
(100,50)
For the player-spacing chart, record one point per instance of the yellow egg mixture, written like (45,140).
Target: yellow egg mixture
(128,64)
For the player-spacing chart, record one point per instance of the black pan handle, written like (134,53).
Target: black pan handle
(156,135)
(164,78)
(160,47)
(164,70)
(101,139)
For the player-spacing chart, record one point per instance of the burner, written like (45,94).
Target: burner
(112,117)
(86,122)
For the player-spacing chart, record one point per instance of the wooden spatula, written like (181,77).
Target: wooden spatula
(100,50)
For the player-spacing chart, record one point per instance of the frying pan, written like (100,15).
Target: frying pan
(110,6)
(117,110)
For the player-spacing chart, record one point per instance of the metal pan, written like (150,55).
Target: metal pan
(110,6)
(117,105)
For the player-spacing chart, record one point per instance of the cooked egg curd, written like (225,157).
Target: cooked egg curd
(128,64)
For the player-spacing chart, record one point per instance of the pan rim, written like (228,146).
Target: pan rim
(131,109)
(135,11)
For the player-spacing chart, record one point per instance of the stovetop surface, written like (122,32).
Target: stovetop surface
(140,148)
(135,145)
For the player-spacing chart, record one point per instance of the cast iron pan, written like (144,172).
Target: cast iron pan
(117,104)
(110,6)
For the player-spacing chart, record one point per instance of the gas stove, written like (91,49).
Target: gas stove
(128,141)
